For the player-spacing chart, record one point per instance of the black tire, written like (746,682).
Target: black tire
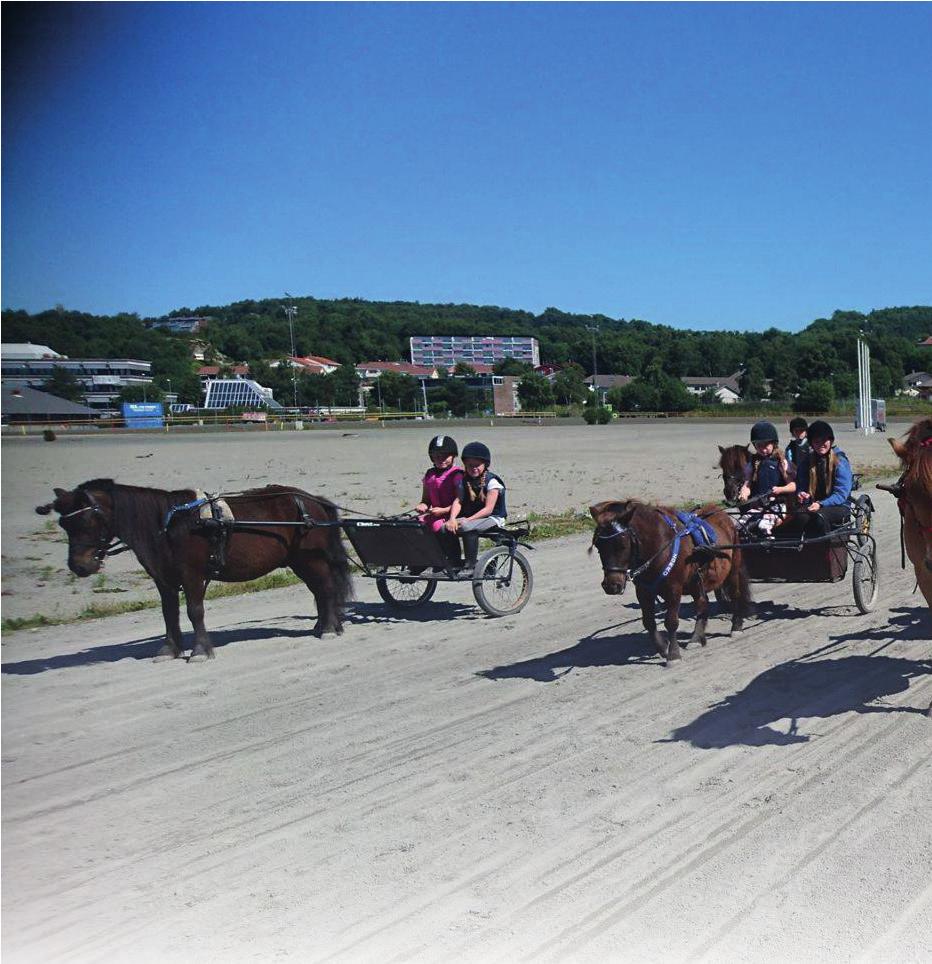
(864,577)
(405,593)
(494,591)
(863,518)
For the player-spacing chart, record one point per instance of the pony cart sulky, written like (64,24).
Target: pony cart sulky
(407,562)
(801,552)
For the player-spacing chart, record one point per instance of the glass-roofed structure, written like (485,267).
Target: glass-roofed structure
(242,392)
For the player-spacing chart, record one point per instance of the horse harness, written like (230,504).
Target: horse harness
(701,532)
(896,490)
(220,523)
(106,544)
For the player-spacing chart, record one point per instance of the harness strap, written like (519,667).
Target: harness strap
(175,509)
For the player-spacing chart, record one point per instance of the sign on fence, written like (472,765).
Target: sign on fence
(143,414)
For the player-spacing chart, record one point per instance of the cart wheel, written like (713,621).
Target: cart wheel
(405,593)
(496,593)
(864,578)
(863,517)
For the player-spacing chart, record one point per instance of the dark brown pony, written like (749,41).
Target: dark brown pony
(914,496)
(183,554)
(635,541)
(733,462)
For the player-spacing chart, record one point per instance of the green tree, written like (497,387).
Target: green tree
(461,368)
(569,385)
(815,396)
(751,382)
(511,366)
(141,393)
(535,392)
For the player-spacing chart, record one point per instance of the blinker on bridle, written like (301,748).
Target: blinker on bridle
(617,530)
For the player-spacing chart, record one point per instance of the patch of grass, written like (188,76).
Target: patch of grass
(559,524)
(872,472)
(280,579)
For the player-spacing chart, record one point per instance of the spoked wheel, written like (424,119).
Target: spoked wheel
(404,592)
(864,579)
(863,515)
(500,588)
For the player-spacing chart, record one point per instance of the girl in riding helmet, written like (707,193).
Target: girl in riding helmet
(767,473)
(438,492)
(824,480)
(480,502)
(798,446)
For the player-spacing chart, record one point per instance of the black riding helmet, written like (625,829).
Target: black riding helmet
(445,444)
(798,423)
(821,430)
(764,432)
(477,450)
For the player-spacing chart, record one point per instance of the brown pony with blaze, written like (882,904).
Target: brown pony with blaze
(914,496)
(634,541)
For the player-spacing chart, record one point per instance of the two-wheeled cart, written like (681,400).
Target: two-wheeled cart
(408,562)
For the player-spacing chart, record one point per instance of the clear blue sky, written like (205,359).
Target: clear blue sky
(698,165)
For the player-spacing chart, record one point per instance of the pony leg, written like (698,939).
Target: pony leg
(171,649)
(194,598)
(314,571)
(672,623)
(702,616)
(740,591)
(646,599)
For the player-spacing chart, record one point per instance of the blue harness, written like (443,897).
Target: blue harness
(196,504)
(703,535)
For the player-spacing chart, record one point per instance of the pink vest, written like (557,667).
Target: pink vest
(441,490)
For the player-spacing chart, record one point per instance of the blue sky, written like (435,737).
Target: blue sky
(698,165)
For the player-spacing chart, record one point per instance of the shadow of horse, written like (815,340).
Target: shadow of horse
(142,649)
(800,689)
(911,623)
(596,649)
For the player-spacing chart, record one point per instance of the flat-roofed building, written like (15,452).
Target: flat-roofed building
(238,393)
(446,350)
(101,379)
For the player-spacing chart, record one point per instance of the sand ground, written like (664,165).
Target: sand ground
(451,787)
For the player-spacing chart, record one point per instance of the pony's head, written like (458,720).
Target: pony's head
(616,542)
(915,487)
(733,462)
(86,516)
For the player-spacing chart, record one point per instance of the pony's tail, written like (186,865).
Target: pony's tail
(739,586)
(339,560)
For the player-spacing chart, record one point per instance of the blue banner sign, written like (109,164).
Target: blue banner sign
(143,415)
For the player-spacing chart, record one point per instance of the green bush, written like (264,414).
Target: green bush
(597,415)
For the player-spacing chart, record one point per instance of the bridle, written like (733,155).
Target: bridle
(619,530)
(106,544)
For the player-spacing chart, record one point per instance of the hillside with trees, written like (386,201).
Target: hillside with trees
(353,330)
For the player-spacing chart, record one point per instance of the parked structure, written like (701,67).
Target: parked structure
(603,384)
(309,364)
(918,384)
(446,350)
(101,379)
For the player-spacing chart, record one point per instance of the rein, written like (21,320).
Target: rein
(106,545)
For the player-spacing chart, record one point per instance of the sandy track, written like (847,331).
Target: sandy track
(457,788)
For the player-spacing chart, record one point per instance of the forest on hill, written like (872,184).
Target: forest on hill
(354,330)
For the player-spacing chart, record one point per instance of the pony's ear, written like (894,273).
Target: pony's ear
(44,509)
(721,450)
(898,447)
(620,511)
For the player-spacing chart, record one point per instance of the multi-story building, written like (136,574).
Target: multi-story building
(446,350)
(185,324)
(101,379)
(238,392)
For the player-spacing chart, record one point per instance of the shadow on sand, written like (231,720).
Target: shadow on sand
(798,689)
(144,649)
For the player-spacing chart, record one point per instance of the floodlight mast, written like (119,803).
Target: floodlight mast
(291,311)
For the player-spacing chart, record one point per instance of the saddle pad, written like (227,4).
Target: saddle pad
(213,509)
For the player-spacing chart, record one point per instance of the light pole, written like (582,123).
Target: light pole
(594,329)
(291,311)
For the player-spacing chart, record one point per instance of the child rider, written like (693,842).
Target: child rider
(439,490)
(480,502)
(769,474)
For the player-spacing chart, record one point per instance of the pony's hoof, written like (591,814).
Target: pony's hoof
(164,654)
(199,656)
(673,661)
(329,634)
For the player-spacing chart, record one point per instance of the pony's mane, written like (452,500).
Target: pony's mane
(734,459)
(918,459)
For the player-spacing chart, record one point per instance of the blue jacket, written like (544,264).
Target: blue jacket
(843,479)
